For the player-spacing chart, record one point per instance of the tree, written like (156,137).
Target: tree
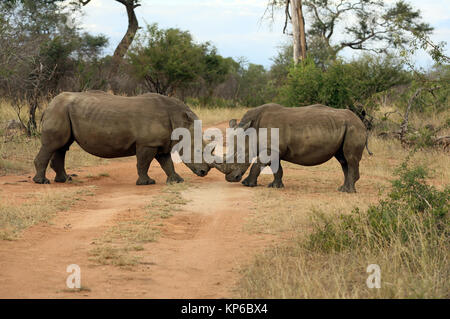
(38,49)
(376,27)
(215,71)
(125,43)
(298,30)
(281,64)
(293,13)
(255,85)
(167,60)
(342,85)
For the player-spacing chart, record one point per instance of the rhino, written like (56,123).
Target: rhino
(112,126)
(308,136)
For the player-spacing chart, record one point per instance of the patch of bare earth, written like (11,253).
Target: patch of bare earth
(196,255)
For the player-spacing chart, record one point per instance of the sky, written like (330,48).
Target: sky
(235,27)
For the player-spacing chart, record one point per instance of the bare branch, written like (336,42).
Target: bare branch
(404,125)
(287,16)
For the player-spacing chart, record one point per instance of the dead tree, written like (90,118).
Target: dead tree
(293,13)
(127,39)
(298,30)
(405,122)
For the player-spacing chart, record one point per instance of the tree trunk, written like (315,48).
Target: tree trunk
(126,41)
(298,30)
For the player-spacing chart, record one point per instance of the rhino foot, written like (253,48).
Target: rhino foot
(174,179)
(248,183)
(146,181)
(63,179)
(41,180)
(276,185)
(346,189)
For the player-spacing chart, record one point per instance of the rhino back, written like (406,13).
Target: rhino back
(308,135)
(110,126)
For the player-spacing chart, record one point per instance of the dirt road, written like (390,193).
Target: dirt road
(197,255)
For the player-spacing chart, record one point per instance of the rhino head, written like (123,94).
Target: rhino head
(230,167)
(200,169)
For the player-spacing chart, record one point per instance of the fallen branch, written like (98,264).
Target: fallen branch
(443,141)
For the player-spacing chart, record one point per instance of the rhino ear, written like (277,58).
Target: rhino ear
(233,123)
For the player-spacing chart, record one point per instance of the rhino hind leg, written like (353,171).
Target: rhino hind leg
(48,151)
(57,163)
(341,159)
(144,157)
(349,158)
(41,163)
(165,160)
(353,175)
(277,180)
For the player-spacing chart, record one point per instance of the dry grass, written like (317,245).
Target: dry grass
(120,245)
(17,151)
(38,208)
(289,270)
(214,116)
(17,154)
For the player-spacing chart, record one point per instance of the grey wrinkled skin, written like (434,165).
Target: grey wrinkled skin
(111,126)
(308,136)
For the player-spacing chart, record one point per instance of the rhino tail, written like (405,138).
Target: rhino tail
(367,145)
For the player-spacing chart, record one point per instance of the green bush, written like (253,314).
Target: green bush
(435,94)
(338,88)
(303,85)
(413,215)
(341,84)
(255,86)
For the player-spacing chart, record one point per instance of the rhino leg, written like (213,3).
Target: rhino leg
(55,149)
(277,180)
(56,134)
(57,164)
(353,174)
(41,163)
(144,157)
(349,158)
(165,160)
(252,178)
(341,158)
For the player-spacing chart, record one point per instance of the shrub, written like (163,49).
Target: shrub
(341,84)
(302,85)
(413,215)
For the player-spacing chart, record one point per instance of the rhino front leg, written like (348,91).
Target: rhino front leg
(277,178)
(165,160)
(252,178)
(144,157)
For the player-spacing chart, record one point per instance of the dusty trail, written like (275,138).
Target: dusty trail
(196,256)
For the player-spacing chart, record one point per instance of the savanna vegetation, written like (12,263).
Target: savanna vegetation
(323,249)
